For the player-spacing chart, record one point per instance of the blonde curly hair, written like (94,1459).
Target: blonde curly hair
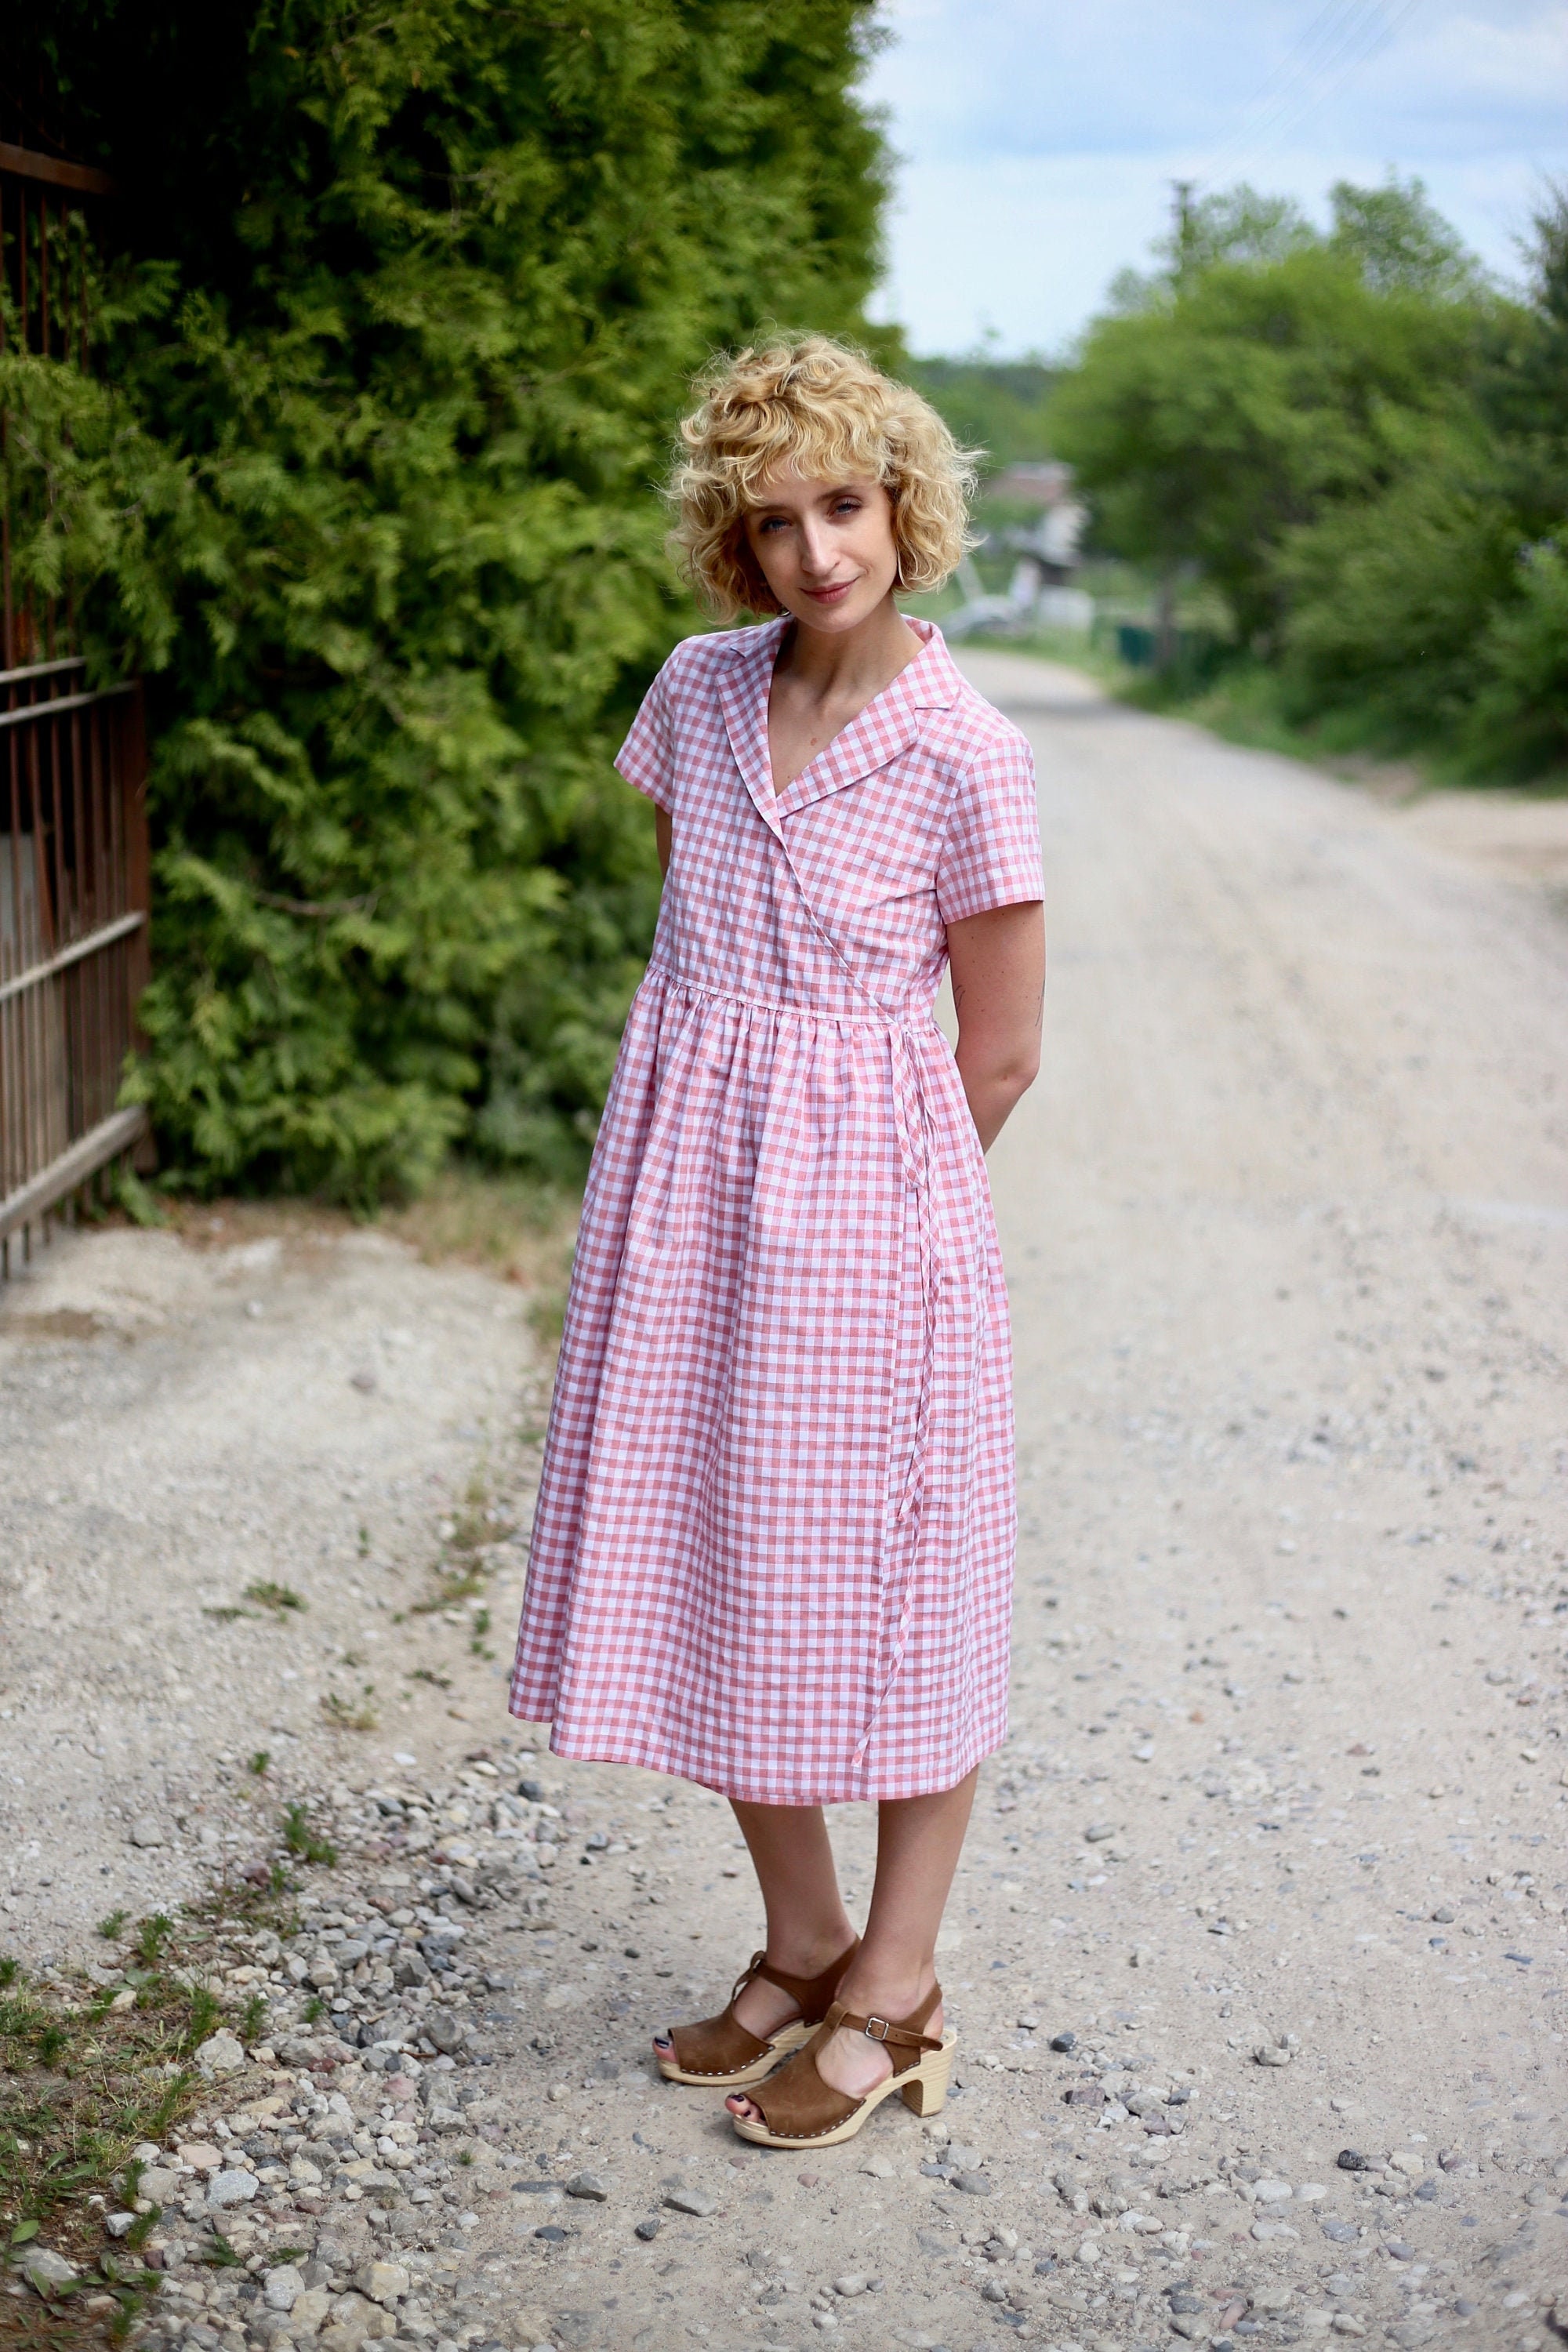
(823,407)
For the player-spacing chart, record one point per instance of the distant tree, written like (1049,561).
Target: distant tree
(1400,242)
(1246,398)
(1002,406)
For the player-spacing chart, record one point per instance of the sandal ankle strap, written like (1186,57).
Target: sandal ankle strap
(805,1991)
(882,2029)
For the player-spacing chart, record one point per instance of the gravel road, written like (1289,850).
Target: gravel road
(1259,1953)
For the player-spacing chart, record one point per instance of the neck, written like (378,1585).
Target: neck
(842,661)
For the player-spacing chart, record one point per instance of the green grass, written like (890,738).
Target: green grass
(110,1927)
(276,1596)
(348,1715)
(302,1841)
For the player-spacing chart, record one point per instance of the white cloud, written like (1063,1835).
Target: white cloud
(1038,143)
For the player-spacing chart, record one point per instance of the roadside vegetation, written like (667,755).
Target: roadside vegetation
(396,311)
(1339,459)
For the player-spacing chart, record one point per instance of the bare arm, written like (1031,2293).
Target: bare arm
(998,962)
(663,832)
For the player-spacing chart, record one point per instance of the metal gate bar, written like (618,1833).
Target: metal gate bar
(73,934)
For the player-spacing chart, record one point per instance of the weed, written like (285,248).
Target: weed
(80,2086)
(253,2017)
(365,1543)
(220,2255)
(205,2016)
(465,2156)
(481,1626)
(314,2009)
(259,1762)
(9,1971)
(428,1675)
(152,1935)
(300,1839)
(276,1596)
(225,1616)
(109,1928)
(49,2041)
(344,1716)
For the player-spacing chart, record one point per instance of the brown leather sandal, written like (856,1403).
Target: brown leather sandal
(721,2050)
(800,2110)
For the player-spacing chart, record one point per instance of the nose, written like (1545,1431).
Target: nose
(817,553)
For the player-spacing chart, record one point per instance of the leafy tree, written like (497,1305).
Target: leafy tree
(405,305)
(1399,242)
(1244,396)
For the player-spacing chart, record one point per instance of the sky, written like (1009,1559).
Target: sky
(1037,139)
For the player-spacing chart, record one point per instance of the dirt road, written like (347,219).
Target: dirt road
(1279,1839)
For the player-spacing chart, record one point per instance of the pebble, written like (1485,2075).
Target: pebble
(974,2184)
(697,2202)
(1271,2192)
(1064,2041)
(282,2287)
(117,2224)
(1351,2159)
(383,2283)
(590,2185)
(648,2230)
(146,1831)
(221,2054)
(227,2189)
(1270,2054)
(878,2167)
(852,2283)
(43,2267)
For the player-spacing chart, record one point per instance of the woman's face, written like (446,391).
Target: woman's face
(825,549)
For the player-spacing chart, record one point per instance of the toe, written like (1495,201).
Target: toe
(663,2045)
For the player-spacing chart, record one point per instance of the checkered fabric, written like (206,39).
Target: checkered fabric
(772,1551)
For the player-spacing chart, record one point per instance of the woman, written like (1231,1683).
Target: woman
(773,1547)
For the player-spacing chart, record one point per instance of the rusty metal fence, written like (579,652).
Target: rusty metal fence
(73,934)
(73,827)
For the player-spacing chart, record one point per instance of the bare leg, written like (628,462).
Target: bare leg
(807,1924)
(918,1840)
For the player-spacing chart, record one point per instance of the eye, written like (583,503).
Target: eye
(847,506)
(771,522)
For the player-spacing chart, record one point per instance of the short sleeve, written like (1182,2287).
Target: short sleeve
(646,757)
(991,856)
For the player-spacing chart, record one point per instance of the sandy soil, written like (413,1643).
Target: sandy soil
(1278,1835)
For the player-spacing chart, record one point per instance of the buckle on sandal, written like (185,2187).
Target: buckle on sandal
(885,2024)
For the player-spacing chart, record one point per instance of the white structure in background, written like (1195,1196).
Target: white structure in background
(1039,595)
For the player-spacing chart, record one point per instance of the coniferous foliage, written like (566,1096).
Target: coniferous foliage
(400,306)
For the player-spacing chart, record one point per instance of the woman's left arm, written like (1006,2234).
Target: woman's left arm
(998,964)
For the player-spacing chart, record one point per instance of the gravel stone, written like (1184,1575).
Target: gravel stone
(692,2200)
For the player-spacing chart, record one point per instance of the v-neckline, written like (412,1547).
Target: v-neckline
(783,791)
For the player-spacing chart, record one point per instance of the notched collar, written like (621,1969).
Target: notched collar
(880,733)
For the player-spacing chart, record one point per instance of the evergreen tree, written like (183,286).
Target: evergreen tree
(405,303)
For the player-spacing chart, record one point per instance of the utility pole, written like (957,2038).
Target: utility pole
(1182,194)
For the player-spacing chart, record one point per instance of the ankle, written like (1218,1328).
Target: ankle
(892,1990)
(808,1955)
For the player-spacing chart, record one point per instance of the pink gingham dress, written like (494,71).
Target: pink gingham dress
(772,1551)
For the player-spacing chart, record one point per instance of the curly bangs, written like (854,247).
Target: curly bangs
(822,408)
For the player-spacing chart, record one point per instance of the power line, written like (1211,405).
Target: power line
(1335,76)
(1351,42)
(1320,39)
